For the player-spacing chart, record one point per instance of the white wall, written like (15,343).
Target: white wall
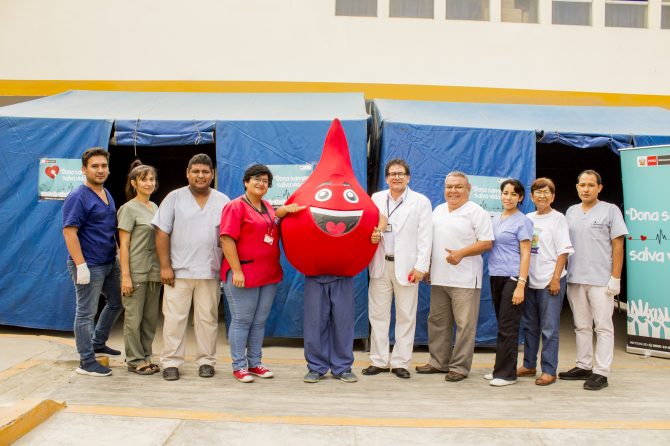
(303,40)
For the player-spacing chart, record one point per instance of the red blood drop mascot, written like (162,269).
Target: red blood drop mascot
(330,242)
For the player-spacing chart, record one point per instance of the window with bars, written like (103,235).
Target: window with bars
(571,12)
(356,8)
(626,13)
(418,9)
(519,11)
(468,10)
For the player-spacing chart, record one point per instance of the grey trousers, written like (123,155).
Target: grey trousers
(449,306)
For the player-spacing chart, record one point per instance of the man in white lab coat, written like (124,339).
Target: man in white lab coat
(397,268)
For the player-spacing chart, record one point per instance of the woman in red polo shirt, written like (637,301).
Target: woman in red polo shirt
(251,270)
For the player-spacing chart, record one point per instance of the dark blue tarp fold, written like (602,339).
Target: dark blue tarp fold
(163,133)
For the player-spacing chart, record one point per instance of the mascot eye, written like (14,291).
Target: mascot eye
(350,196)
(323,195)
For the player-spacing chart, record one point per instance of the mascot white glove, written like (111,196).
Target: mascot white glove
(83,274)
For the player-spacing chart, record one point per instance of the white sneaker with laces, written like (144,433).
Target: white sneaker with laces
(488,376)
(499,382)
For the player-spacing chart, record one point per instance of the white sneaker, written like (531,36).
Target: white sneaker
(499,382)
(488,376)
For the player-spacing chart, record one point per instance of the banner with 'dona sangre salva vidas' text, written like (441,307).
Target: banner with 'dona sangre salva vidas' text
(646,190)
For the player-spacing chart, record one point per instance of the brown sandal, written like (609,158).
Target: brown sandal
(143,369)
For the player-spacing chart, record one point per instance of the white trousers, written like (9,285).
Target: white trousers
(380,296)
(205,295)
(591,306)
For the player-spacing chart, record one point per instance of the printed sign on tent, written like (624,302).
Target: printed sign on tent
(485,192)
(286,179)
(58,177)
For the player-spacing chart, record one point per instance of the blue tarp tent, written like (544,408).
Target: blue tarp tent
(36,290)
(494,140)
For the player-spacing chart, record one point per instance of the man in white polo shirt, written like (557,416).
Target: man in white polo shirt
(597,231)
(461,233)
(187,244)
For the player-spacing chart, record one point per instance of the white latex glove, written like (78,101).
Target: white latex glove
(613,286)
(83,274)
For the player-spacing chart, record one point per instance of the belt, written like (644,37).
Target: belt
(389,258)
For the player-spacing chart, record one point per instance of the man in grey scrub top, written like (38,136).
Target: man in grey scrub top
(597,231)
(187,244)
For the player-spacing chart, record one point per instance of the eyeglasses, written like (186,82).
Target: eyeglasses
(457,187)
(542,193)
(400,175)
(261,180)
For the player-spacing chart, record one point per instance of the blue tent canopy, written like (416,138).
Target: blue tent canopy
(496,140)
(246,128)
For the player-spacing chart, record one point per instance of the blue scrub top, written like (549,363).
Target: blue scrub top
(505,256)
(96,223)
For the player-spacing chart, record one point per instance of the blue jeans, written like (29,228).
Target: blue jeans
(105,279)
(542,318)
(249,309)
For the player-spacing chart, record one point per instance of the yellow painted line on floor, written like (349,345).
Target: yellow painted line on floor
(137,412)
(18,368)
(22,417)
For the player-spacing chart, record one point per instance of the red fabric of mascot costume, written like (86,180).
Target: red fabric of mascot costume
(331,236)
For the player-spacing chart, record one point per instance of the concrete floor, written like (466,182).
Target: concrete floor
(382,409)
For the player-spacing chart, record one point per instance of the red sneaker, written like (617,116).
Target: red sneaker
(243,376)
(261,371)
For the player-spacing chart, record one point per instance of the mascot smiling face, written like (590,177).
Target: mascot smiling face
(331,236)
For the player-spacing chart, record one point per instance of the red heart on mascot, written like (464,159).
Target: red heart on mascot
(332,235)
(52,171)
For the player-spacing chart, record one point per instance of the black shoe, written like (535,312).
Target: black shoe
(107,351)
(374,370)
(575,374)
(206,371)
(171,374)
(596,382)
(401,373)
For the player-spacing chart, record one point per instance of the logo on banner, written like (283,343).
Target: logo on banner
(649,160)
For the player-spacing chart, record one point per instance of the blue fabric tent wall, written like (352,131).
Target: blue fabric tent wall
(36,288)
(282,128)
(495,140)
(253,142)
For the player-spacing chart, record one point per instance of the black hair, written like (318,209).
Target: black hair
(256,170)
(396,161)
(138,170)
(518,188)
(201,158)
(93,151)
(599,180)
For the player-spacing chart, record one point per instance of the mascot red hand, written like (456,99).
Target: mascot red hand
(331,236)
